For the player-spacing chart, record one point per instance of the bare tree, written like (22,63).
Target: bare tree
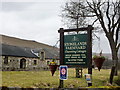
(106,14)
(71,14)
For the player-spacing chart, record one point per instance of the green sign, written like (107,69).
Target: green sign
(75,49)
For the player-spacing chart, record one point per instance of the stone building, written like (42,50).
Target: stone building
(19,57)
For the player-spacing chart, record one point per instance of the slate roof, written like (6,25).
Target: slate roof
(9,50)
(27,46)
(49,53)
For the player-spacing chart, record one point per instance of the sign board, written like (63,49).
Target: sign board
(63,72)
(75,49)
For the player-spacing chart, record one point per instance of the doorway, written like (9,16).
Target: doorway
(23,63)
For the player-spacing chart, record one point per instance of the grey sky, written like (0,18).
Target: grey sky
(31,20)
(36,20)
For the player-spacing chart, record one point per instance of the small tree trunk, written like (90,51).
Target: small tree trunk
(114,58)
(112,74)
(115,62)
(114,70)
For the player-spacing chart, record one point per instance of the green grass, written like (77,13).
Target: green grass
(117,79)
(43,79)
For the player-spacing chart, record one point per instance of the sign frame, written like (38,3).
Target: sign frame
(89,54)
(89,51)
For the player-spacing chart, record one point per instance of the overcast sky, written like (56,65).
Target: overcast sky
(37,20)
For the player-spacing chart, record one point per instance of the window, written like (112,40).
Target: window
(35,62)
(6,60)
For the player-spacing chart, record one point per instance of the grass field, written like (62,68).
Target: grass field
(43,79)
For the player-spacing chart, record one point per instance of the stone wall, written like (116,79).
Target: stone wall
(15,63)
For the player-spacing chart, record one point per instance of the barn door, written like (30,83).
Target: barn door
(23,63)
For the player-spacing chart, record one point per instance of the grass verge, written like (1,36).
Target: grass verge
(43,79)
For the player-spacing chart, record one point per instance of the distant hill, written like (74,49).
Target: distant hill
(23,43)
(33,44)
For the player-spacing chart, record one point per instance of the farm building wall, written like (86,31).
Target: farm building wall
(22,63)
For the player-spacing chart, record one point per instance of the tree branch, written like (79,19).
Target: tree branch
(94,22)
(100,16)
(90,5)
(107,14)
(115,24)
(113,17)
(117,33)
(118,47)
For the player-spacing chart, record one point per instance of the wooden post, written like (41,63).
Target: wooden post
(61,52)
(89,31)
(77,72)
(89,49)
